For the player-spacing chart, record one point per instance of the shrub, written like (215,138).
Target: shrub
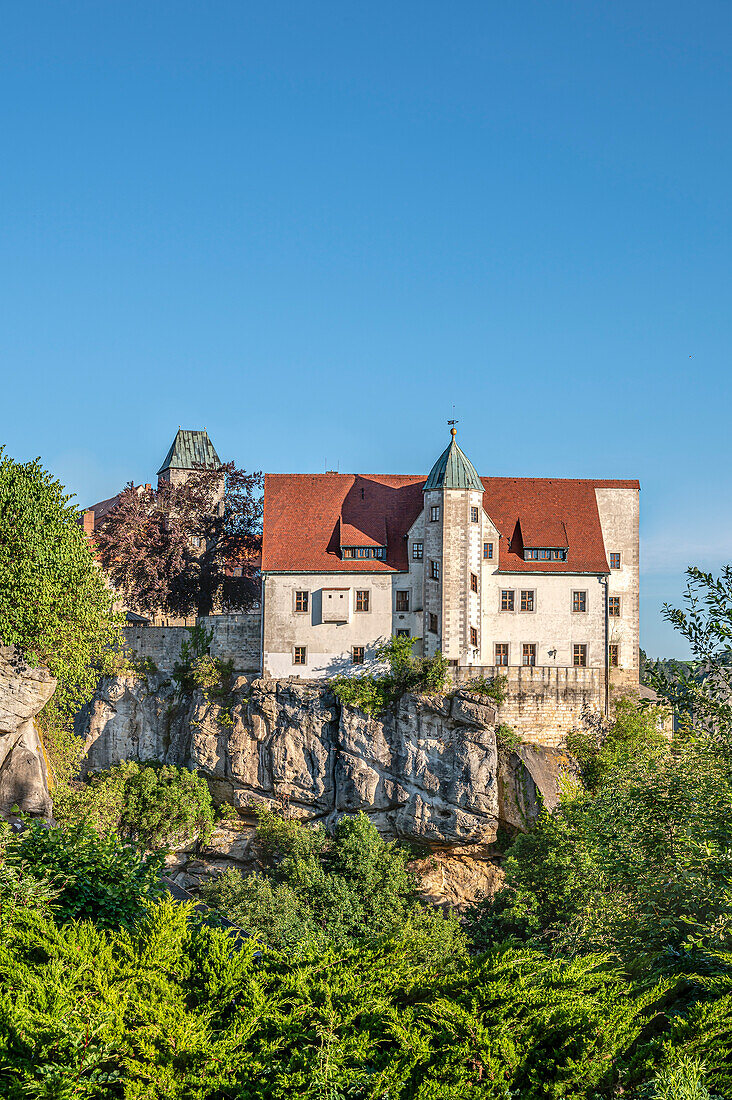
(493,687)
(373,693)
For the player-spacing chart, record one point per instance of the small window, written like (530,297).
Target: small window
(302,600)
(473,583)
(615,561)
(362,600)
(434,513)
(349,552)
(402,633)
(613,606)
(579,656)
(357,654)
(300,657)
(501,650)
(507,599)
(402,601)
(614,655)
(528,654)
(488,550)
(417,551)
(579,601)
(527,599)
(474,515)
(435,570)
(474,637)
(195,540)
(433,624)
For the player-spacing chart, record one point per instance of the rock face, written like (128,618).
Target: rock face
(24,691)
(429,772)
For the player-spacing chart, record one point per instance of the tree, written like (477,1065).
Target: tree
(176,549)
(54,603)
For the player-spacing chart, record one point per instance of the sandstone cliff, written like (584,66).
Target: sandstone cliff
(432,772)
(24,691)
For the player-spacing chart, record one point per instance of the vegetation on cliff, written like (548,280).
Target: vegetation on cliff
(400,672)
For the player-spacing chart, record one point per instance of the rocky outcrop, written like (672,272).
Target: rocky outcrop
(24,691)
(429,771)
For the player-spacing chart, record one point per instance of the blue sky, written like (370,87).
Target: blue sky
(313,228)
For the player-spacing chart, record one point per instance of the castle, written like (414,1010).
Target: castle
(496,573)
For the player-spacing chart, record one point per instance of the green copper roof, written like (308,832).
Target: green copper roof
(453,470)
(190,450)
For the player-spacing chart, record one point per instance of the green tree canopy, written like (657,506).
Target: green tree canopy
(54,602)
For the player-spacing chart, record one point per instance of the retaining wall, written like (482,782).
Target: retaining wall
(235,638)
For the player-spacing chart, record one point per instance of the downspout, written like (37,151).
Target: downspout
(606,580)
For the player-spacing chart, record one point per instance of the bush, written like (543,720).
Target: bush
(493,687)
(373,693)
(98,878)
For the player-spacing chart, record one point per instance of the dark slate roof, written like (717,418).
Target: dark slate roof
(190,450)
(453,470)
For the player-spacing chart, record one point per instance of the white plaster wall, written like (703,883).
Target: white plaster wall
(432,590)
(552,625)
(619,513)
(328,644)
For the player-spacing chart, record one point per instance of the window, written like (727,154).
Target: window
(402,601)
(195,540)
(579,601)
(579,659)
(357,654)
(302,600)
(501,649)
(613,606)
(300,657)
(528,654)
(507,603)
(365,552)
(362,600)
(473,583)
(614,655)
(434,513)
(473,637)
(402,634)
(527,599)
(435,570)
(545,555)
(474,515)
(488,550)
(417,551)
(615,561)
(433,624)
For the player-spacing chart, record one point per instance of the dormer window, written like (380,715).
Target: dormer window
(545,554)
(361,552)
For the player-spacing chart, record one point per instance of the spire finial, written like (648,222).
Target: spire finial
(453,429)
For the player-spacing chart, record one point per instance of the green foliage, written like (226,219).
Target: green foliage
(197,670)
(54,603)
(322,891)
(682,1081)
(492,687)
(97,877)
(374,693)
(601,745)
(507,739)
(154,805)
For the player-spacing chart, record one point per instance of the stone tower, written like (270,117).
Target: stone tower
(453,524)
(190,450)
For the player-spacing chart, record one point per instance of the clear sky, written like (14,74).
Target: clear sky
(314,227)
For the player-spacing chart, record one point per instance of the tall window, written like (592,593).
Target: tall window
(300,655)
(579,656)
(527,599)
(433,624)
(474,515)
(358,654)
(488,550)
(613,606)
(501,651)
(362,600)
(579,601)
(615,561)
(528,654)
(435,570)
(302,601)
(417,551)
(507,599)
(473,583)
(614,655)
(474,637)
(402,601)
(435,513)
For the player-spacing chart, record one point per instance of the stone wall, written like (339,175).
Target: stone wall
(543,703)
(235,637)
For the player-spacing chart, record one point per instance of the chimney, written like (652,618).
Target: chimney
(89,522)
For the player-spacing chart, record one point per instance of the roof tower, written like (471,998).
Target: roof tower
(453,470)
(190,450)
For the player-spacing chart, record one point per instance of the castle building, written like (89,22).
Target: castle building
(494,572)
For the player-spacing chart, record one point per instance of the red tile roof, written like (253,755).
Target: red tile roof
(306,515)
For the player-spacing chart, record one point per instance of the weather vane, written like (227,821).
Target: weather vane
(452,423)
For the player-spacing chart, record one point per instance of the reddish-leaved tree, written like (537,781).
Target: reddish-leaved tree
(186,549)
